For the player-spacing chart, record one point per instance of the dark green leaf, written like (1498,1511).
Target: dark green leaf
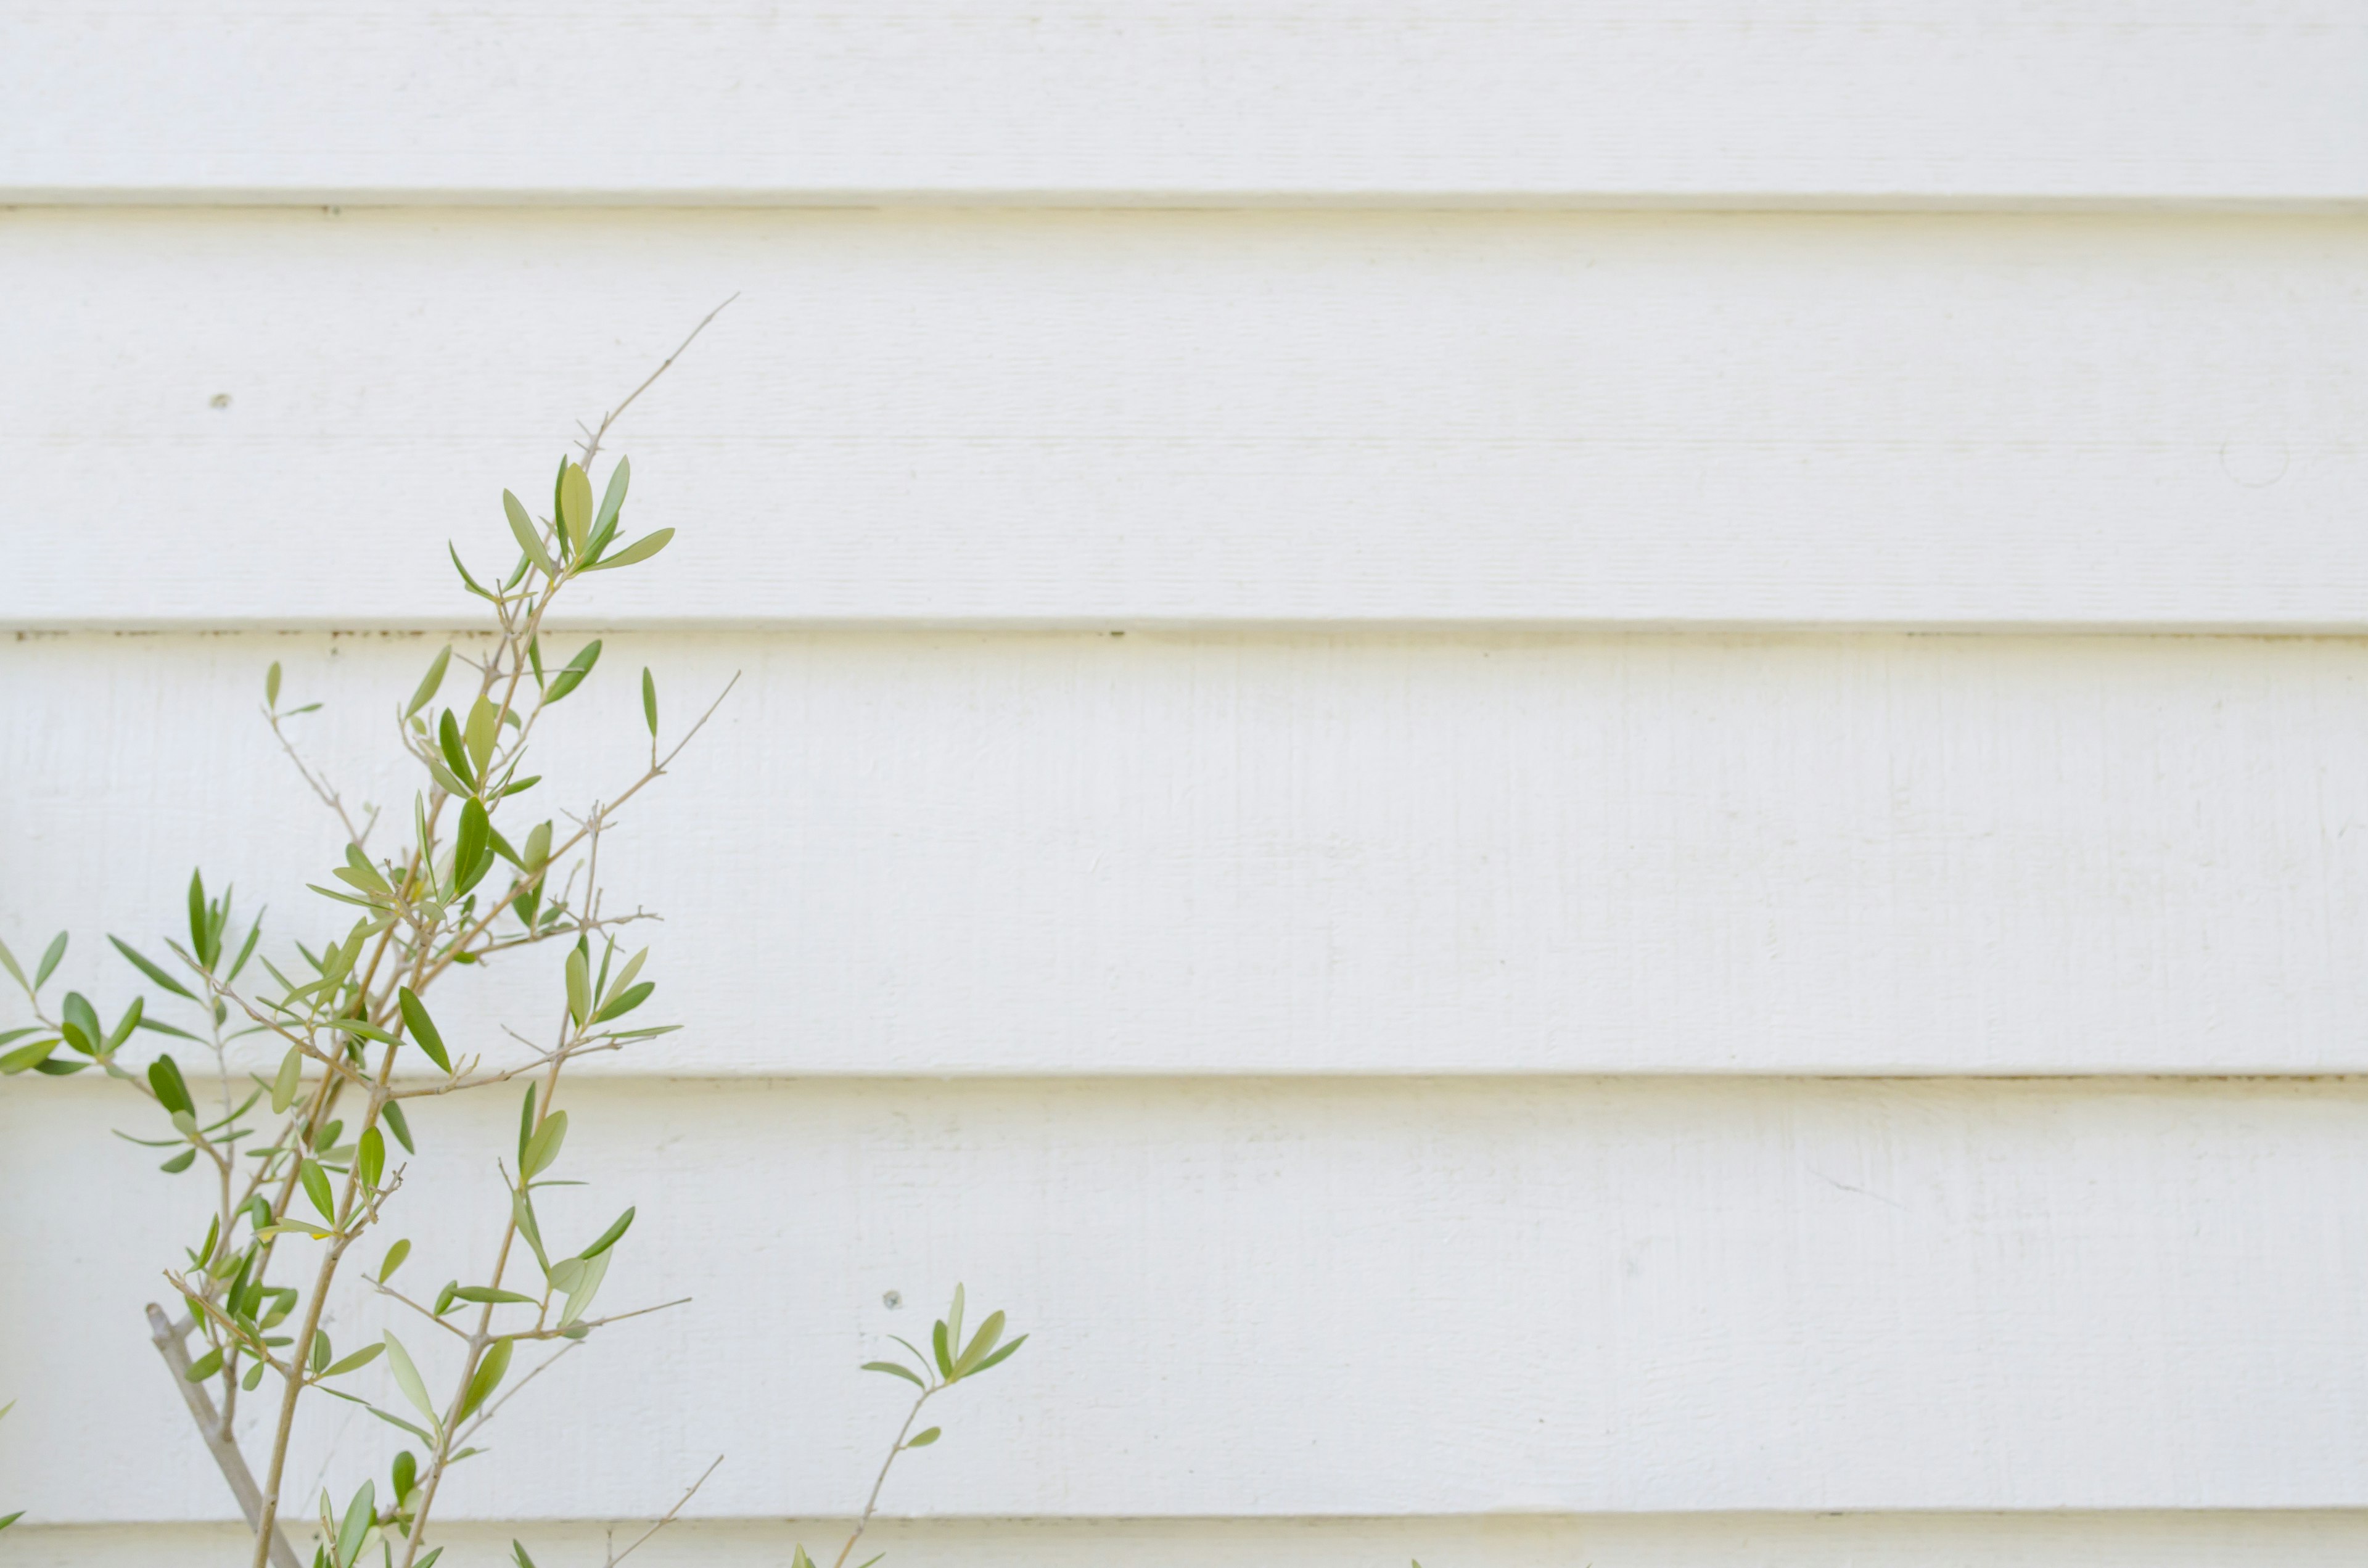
(172,1091)
(456,753)
(316,1187)
(179,1163)
(611,1236)
(423,1029)
(938,1344)
(625,1002)
(571,674)
(400,1127)
(487,1377)
(150,970)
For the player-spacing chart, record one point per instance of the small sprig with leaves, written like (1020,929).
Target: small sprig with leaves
(318,1172)
(948,1360)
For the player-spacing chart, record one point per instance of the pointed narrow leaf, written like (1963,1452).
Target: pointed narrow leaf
(407,1379)
(542,1149)
(650,700)
(9,963)
(288,1081)
(456,755)
(571,674)
(315,1182)
(579,986)
(423,1029)
(360,1514)
(397,1124)
(488,1376)
(49,964)
(430,683)
(641,550)
(989,1333)
(529,538)
(469,842)
(923,1439)
(575,505)
(999,1358)
(610,1236)
(612,500)
(395,1256)
(896,1368)
(150,970)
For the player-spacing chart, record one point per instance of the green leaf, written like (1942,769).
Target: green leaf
(487,1295)
(407,1379)
(179,1163)
(430,683)
(446,779)
(406,1472)
(579,986)
(357,1361)
(529,538)
(633,554)
(367,1030)
(360,1515)
(481,733)
(27,1056)
(271,684)
(49,964)
(124,1025)
(369,1159)
(938,1344)
(571,674)
(989,1333)
(898,1370)
(423,1029)
(9,963)
(650,700)
(612,500)
(526,1123)
(611,1236)
(456,755)
(430,1561)
(397,1124)
(542,1149)
(801,1560)
(575,505)
(923,1439)
(395,1256)
(172,1092)
(316,1188)
(289,1081)
(517,1552)
(204,1365)
(625,1003)
(954,1321)
(150,970)
(999,1358)
(488,1376)
(469,842)
(584,1287)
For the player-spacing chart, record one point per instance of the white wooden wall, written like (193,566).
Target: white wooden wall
(1586,785)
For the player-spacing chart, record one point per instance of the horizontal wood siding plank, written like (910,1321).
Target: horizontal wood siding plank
(260,418)
(1366,1299)
(1060,853)
(1845,102)
(2294,1539)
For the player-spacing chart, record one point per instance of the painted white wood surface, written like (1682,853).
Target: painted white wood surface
(2193,1540)
(1064,853)
(1369,1298)
(1858,102)
(1124,419)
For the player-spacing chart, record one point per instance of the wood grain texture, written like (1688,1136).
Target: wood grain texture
(1097,420)
(1006,853)
(2193,1540)
(1878,103)
(1369,1298)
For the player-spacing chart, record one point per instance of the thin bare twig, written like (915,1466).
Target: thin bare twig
(615,1557)
(593,445)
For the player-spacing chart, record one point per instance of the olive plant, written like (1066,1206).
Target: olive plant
(302,1165)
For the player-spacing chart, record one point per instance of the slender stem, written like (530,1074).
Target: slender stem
(871,1503)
